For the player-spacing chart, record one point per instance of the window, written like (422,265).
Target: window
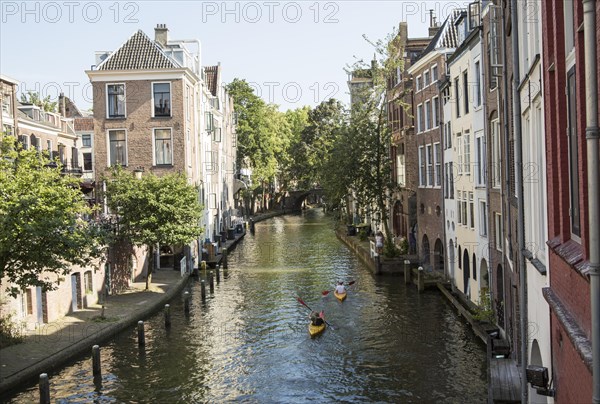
(116,100)
(459,154)
(188,104)
(480,160)
(161,94)
(434,114)
(451,193)
(483,218)
(496,165)
(86,140)
(471,210)
(87,161)
(163,147)
(418,83)
(449,135)
(401,169)
(457,97)
(477,88)
(498,231)
(429,165)
(466,91)
(459,207)
(466,153)
(465,218)
(427,115)
(6,104)
(117,147)
(493,79)
(419,118)
(437,156)
(421,166)
(434,73)
(474,15)
(425,78)
(573,152)
(569,15)
(87,282)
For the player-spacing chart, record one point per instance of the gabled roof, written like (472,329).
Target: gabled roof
(447,35)
(212,76)
(139,52)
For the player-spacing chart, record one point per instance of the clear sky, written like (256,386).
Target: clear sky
(294,52)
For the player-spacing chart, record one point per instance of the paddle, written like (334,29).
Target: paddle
(306,305)
(326,292)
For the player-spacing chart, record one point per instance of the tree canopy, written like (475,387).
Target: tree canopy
(43,231)
(154,210)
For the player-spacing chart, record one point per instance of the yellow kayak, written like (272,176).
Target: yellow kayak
(315,330)
(340,296)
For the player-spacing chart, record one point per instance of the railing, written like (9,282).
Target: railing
(183,264)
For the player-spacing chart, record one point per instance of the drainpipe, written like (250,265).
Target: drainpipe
(520,203)
(592,137)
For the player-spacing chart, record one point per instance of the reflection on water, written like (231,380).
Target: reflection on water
(249,341)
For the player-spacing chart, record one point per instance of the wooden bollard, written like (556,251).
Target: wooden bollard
(218,274)
(167,315)
(203,265)
(211,282)
(186,302)
(96,366)
(141,336)
(407,271)
(420,280)
(44,389)
(224,260)
(203,290)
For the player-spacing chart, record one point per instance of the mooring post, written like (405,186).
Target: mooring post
(44,389)
(252,225)
(211,282)
(203,265)
(96,367)
(421,280)
(186,302)
(407,272)
(224,260)
(167,315)
(218,274)
(141,336)
(203,290)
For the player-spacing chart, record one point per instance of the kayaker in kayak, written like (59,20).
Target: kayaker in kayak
(315,318)
(340,289)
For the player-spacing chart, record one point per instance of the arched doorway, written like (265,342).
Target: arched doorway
(438,255)
(500,295)
(425,252)
(466,273)
(485,276)
(536,359)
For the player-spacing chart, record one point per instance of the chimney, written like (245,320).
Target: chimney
(433,25)
(161,34)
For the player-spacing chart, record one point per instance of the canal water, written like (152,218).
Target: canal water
(249,342)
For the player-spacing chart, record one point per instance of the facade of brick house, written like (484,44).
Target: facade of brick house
(569,242)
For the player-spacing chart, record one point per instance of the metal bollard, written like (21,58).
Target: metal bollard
(186,302)
(224,260)
(141,336)
(407,271)
(203,290)
(96,366)
(44,389)
(421,280)
(211,282)
(218,274)
(167,315)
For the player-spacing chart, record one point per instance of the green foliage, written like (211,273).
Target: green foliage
(43,232)
(484,312)
(11,332)
(44,103)
(154,210)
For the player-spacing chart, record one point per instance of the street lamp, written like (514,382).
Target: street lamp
(138,172)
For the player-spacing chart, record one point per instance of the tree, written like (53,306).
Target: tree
(42,227)
(154,210)
(44,103)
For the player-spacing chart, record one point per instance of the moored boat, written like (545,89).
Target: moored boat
(340,296)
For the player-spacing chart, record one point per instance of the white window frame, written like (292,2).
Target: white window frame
(124,101)
(437,165)
(466,139)
(427,109)
(435,106)
(154,162)
(153,115)
(436,77)
(498,236)
(419,83)
(480,159)
(422,167)
(477,101)
(471,208)
(419,118)
(426,79)
(429,165)
(91,140)
(83,161)
(459,154)
(401,170)
(108,164)
(483,230)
